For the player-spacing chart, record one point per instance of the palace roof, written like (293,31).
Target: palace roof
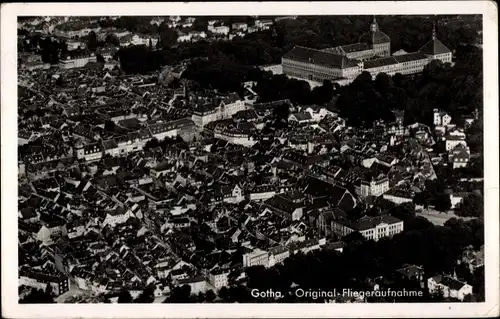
(313,56)
(375,37)
(434,47)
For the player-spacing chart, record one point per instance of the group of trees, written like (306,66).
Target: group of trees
(456,90)
(435,195)
(221,74)
(130,23)
(365,100)
(226,64)
(165,143)
(39,296)
(279,87)
(167,36)
(146,296)
(471,206)
(436,248)
(50,49)
(409,33)
(139,59)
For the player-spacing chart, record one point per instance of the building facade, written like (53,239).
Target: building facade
(217,109)
(374,187)
(59,284)
(449,286)
(372,228)
(342,64)
(77,61)
(256,258)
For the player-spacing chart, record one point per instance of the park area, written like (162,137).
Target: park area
(439,218)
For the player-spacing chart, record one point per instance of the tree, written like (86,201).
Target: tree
(180,295)
(124,297)
(49,291)
(383,83)
(471,206)
(282,112)
(109,125)
(63,46)
(36,296)
(147,296)
(100,58)
(422,198)
(200,297)
(478,284)
(224,294)
(403,211)
(138,59)
(152,143)
(112,39)
(210,296)
(442,202)
(168,36)
(59,81)
(354,237)
(92,41)
(323,94)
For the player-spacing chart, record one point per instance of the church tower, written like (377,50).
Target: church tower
(435,49)
(379,42)
(374,25)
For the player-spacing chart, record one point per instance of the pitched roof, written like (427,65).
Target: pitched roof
(434,47)
(371,222)
(109,144)
(302,116)
(380,62)
(410,57)
(282,203)
(313,56)
(375,37)
(410,271)
(355,47)
(449,282)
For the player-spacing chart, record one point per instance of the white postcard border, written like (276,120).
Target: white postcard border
(10,306)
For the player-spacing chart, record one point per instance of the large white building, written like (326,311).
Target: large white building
(89,152)
(77,32)
(257,257)
(76,61)
(235,136)
(342,64)
(59,284)
(116,217)
(372,228)
(374,186)
(218,278)
(380,227)
(216,109)
(222,29)
(453,141)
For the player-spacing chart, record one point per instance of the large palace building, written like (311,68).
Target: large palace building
(342,64)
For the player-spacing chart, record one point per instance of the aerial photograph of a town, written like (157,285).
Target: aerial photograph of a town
(250,159)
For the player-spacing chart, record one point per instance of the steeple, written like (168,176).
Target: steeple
(434,31)
(374,25)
